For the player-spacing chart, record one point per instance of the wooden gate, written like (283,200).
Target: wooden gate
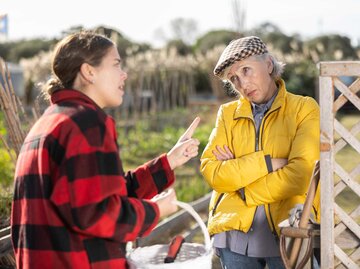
(340,178)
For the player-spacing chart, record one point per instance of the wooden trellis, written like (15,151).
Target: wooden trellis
(335,221)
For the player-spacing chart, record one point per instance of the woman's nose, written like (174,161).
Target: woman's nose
(124,75)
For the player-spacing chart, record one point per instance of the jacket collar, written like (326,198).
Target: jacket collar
(244,106)
(64,95)
(77,97)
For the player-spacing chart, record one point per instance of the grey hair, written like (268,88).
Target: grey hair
(278,69)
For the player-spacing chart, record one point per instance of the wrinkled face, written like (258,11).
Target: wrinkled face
(251,77)
(109,80)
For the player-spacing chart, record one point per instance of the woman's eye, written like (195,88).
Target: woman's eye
(246,70)
(233,79)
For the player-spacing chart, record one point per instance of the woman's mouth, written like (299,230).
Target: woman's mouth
(251,93)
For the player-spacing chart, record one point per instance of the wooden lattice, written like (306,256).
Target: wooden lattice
(340,230)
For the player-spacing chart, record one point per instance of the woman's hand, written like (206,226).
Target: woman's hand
(223,154)
(165,203)
(186,147)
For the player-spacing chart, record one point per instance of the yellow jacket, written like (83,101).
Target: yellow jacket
(291,130)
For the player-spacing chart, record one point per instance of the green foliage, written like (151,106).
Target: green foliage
(6,164)
(6,169)
(142,143)
(5,207)
(328,46)
(181,47)
(190,188)
(27,48)
(125,46)
(213,39)
(158,134)
(6,176)
(300,78)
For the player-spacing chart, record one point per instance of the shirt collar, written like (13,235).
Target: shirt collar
(264,107)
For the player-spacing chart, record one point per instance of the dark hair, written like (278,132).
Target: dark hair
(70,53)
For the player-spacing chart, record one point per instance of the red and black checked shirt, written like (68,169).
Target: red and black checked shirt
(74,207)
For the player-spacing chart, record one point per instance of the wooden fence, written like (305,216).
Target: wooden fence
(338,222)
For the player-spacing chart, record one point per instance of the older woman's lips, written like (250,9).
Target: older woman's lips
(251,93)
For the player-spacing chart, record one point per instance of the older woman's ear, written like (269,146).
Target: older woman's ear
(270,64)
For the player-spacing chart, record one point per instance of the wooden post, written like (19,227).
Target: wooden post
(327,170)
(329,79)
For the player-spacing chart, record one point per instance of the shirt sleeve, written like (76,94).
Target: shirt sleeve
(90,190)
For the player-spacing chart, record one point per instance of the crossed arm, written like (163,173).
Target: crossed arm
(289,177)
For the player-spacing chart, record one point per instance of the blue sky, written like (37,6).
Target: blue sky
(140,19)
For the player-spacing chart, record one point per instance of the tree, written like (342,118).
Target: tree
(213,39)
(184,29)
(181,47)
(332,47)
(27,48)
(239,14)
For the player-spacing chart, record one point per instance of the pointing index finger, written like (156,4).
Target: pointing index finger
(190,131)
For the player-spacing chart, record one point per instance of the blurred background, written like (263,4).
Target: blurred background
(170,49)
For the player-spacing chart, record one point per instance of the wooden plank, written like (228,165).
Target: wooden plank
(341,100)
(352,97)
(347,179)
(340,68)
(347,240)
(355,256)
(346,135)
(343,258)
(340,144)
(348,221)
(341,227)
(341,185)
(326,171)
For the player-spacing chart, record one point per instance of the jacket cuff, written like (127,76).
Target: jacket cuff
(268,163)
(152,216)
(169,173)
(242,194)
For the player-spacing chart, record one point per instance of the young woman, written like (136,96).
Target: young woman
(74,207)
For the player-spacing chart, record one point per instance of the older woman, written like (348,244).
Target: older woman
(259,157)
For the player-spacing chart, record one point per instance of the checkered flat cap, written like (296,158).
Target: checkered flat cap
(238,50)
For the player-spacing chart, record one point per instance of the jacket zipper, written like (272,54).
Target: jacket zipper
(273,226)
(261,143)
(244,191)
(217,203)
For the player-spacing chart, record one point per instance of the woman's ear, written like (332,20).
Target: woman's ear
(87,73)
(270,65)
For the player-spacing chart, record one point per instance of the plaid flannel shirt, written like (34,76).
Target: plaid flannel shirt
(74,207)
